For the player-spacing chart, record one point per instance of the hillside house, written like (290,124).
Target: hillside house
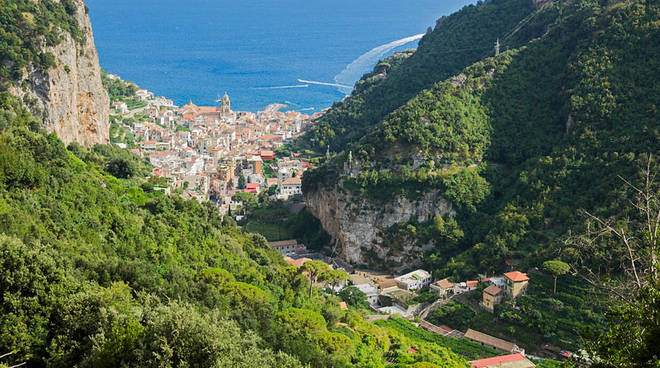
(492,296)
(465,286)
(290,187)
(287,247)
(297,262)
(415,280)
(515,283)
(443,287)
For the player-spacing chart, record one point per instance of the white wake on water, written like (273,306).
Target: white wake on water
(355,70)
(338,85)
(284,87)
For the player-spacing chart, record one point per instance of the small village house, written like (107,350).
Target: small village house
(296,262)
(287,247)
(415,280)
(367,287)
(443,287)
(290,187)
(515,283)
(492,296)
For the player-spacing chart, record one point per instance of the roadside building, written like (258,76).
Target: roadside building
(492,296)
(415,280)
(286,247)
(515,283)
(443,287)
(504,361)
(493,342)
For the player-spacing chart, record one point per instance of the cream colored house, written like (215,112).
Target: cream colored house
(492,296)
(515,283)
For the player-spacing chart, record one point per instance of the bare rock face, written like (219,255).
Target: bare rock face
(70,98)
(358,225)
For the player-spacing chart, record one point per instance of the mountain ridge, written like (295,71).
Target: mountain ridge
(475,135)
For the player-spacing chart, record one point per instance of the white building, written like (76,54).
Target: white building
(290,187)
(370,291)
(415,280)
(287,248)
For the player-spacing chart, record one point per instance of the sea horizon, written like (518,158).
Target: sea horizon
(305,55)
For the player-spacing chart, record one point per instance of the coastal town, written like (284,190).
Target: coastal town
(211,153)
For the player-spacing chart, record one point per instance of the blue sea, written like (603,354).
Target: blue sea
(305,53)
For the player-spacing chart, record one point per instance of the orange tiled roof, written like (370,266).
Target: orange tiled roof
(492,290)
(516,276)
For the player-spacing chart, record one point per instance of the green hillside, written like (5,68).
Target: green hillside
(26,27)
(457,41)
(522,144)
(521,141)
(99,271)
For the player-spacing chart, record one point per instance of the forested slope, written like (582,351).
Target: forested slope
(529,147)
(457,41)
(97,271)
(520,142)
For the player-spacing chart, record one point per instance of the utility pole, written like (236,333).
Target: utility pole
(497,47)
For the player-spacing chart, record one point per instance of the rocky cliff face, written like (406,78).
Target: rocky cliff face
(358,226)
(70,98)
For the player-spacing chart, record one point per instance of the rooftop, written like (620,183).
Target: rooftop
(489,340)
(516,276)
(414,276)
(445,284)
(292,181)
(492,290)
(296,262)
(283,243)
(504,361)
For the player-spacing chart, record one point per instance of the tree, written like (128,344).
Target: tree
(556,268)
(120,168)
(629,242)
(337,277)
(632,339)
(314,269)
(354,296)
(241,181)
(249,200)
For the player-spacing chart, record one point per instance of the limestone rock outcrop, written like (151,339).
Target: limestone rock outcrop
(358,226)
(70,98)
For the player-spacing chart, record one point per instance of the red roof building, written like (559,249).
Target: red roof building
(472,283)
(296,262)
(504,361)
(516,276)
